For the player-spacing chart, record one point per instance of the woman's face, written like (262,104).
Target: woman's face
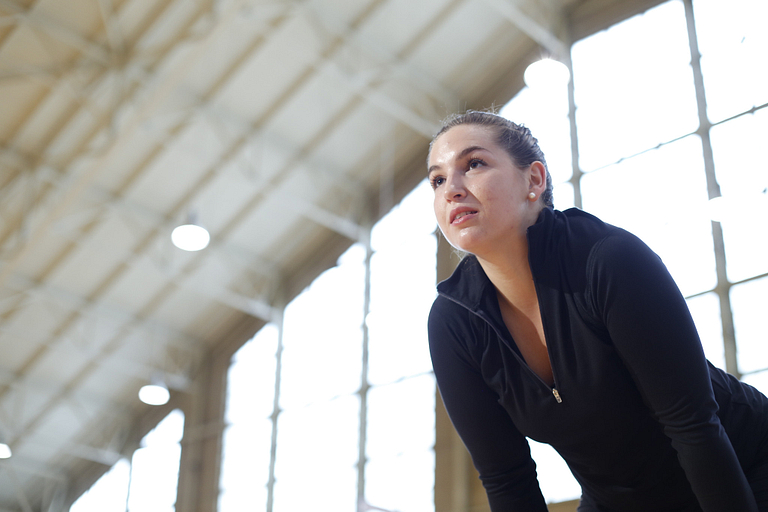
(481,196)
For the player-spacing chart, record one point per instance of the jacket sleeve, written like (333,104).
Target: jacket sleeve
(499,451)
(648,320)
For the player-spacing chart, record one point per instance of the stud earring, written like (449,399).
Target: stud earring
(532,196)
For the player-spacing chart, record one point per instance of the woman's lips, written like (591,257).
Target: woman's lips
(463,216)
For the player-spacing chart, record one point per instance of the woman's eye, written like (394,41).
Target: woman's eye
(437,181)
(475,163)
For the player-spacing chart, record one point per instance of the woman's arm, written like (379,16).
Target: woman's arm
(648,320)
(500,453)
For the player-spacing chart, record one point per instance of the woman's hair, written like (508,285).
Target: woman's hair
(521,145)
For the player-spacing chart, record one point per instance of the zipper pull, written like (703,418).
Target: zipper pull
(557,395)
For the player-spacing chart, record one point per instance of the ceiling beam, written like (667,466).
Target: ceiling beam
(530,27)
(342,225)
(22,465)
(90,308)
(348,36)
(93,51)
(105,456)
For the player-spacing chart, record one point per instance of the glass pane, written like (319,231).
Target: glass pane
(317,451)
(413,218)
(555,478)
(758,380)
(634,86)
(705,310)
(751,325)
(168,431)
(109,493)
(546,114)
(245,465)
(564,197)
(733,43)
(402,288)
(401,435)
(402,291)
(412,474)
(251,378)
(248,438)
(322,335)
(401,416)
(738,148)
(661,196)
(155,467)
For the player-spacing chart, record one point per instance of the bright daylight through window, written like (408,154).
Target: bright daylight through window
(148,482)
(345,391)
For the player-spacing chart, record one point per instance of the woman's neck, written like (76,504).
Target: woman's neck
(510,272)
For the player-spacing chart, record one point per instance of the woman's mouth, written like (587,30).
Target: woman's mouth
(462,216)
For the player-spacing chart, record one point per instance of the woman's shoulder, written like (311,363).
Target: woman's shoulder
(597,239)
(446,310)
(562,244)
(588,227)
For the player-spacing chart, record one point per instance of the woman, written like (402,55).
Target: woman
(570,331)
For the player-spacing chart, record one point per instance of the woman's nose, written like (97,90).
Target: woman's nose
(454,188)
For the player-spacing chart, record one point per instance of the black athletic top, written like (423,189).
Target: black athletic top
(634,408)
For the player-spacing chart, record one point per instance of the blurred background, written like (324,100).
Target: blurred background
(217,245)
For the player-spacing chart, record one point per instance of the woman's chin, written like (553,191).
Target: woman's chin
(469,240)
(465,245)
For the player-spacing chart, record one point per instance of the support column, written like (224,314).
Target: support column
(204,424)
(455,477)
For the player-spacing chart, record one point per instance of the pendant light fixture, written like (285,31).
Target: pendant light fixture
(5,450)
(546,74)
(155,393)
(190,236)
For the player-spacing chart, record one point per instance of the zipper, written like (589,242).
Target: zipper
(553,388)
(555,392)
(488,321)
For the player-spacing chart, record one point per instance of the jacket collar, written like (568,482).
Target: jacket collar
(470,287)
(559,244)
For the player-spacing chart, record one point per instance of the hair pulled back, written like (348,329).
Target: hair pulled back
(516,139)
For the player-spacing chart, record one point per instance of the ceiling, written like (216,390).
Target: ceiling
(286,126)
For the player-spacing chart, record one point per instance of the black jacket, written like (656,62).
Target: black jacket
(634,409)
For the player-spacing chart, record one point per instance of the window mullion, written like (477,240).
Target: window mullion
(364,384)
(279,320)
(713,188)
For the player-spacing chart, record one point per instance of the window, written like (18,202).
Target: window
(148,482)
(109,493)
(155,467)
(349,384)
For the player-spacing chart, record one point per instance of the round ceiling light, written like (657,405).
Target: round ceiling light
(5,451)
(154,394)
(546,74)
(190,237)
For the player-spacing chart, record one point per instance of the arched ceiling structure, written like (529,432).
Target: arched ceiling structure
(286,126)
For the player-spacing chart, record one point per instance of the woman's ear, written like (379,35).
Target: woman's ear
(537,176)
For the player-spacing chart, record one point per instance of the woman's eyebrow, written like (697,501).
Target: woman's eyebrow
(461,155)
